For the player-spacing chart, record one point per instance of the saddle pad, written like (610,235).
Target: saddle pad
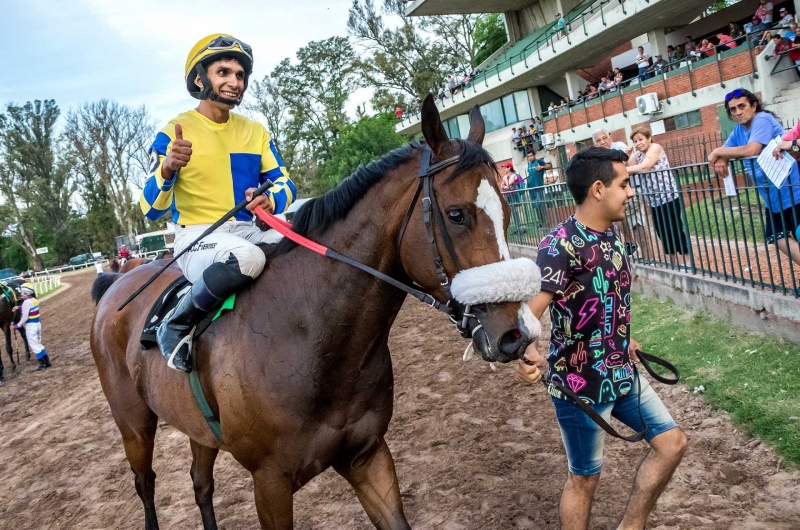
(167,302)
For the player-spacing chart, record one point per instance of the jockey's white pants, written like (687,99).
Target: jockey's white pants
(33,332)
(234,237)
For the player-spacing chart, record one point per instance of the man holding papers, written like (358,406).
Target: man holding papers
(755,129)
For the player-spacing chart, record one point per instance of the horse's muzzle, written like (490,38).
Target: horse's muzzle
(506,347)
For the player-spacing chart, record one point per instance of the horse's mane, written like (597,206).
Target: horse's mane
(318,214)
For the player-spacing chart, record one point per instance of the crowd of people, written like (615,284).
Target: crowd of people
(657,206)
(527,138)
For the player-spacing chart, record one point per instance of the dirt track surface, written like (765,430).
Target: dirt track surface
(473,449)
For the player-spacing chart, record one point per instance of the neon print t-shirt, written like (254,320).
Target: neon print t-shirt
(590,278)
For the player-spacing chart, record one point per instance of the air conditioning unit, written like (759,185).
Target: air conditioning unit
(648,104)
(549,139)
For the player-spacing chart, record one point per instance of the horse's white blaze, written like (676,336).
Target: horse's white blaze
(489,201)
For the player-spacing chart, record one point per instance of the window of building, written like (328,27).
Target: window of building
(508,110)
(523,105)
(683,121)
(452,128)
(492,113)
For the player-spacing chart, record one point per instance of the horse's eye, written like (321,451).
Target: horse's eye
(456,217)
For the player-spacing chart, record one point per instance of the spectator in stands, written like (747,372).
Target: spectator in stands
(607,85)
(791,33)
(536,170)
(786,18)
(533,132)
(706,49)
(659,66)
(725,42)
(673,56)
(398,113)
(618,77)
(581,96)
(633,226)
(660,191)
(552,110)
(591,92)
(735,30)
(564,103)
(790,143)
(509,177)
(782,45)
(758,31)
(754,129)
(560,25)
(642,62)
(688,47)
(764,12)
(794,53)
(539,125)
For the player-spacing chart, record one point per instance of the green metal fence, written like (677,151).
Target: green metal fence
(701,231)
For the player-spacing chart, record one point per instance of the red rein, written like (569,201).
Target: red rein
(285,229)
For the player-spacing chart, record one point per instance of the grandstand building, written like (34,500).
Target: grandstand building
(545,61)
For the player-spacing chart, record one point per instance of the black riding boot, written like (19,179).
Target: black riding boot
(175,334)
(42,365)
(47,361)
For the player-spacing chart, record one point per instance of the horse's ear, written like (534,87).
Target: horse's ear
(432,128)
(477,127)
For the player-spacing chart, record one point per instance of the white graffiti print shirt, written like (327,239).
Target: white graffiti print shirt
(588,273)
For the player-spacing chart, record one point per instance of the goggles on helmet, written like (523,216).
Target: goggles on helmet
(227,43)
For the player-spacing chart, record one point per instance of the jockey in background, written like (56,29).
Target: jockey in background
(29,319)
(201,164)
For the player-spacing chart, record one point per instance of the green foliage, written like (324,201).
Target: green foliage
(490,36)
(36,180)
(753,376)
(360,143)
(400,59)
(12,254)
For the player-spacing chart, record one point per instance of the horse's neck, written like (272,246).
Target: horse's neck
(348,311)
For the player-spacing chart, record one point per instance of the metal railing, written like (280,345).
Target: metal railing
(702,231)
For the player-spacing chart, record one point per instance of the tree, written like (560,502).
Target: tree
(316,90)
(35,181)
(271,105)
(398,60)
(360,143)
(109,144)
(457,36)
(490,36)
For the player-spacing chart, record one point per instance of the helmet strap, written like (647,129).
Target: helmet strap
(208,90)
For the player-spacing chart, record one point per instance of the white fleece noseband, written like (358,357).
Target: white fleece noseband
(516,280)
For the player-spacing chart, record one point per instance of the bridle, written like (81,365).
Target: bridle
(431,214)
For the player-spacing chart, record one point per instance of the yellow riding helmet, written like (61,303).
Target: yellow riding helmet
(27,289)
(213,46)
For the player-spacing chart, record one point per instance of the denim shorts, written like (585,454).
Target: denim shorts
(583,438)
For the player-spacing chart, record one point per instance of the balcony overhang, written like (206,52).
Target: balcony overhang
(420,8)
(602,36)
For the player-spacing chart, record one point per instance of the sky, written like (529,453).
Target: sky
(134,51)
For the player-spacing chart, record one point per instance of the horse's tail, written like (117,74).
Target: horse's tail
(101,285)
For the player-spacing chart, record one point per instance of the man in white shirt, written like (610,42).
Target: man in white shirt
(786,18)
(643,63)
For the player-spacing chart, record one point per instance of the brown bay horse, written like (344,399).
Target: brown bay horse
(300,374)
(123,266)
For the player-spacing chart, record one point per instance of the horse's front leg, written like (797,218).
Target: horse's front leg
(273,495)
(203,480)
(373,477)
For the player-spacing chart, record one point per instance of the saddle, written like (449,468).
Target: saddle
(164,305)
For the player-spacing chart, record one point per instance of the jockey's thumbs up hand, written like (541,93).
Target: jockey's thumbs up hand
(179,155)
